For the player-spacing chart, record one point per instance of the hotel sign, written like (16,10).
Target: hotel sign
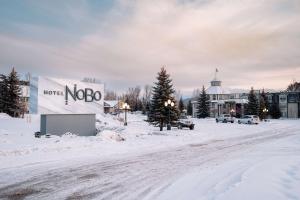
(64,96)
(86,94)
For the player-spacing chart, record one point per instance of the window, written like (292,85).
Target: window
(282,98)
(270,100)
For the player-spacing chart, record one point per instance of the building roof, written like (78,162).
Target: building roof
(217,90)
(111,104)
(216,86)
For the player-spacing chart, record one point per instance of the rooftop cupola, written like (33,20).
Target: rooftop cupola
(216,81)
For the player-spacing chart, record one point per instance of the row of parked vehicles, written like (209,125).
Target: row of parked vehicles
(247,119)
(185,122)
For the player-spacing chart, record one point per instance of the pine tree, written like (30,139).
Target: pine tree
(13,94)
(252,107)
(190,108)
(263,104)
(145,106)
(3,94)
(181,105)
(203,105)
(275,111)
(162,91)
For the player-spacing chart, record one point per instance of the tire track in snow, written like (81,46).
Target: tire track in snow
(135,177)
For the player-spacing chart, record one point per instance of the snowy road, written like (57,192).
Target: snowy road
(138,177)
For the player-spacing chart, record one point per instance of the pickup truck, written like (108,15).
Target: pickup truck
(225,118)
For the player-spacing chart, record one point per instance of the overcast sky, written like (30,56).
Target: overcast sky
(125,42)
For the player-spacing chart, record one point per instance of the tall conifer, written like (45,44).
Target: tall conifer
(13,94)
(252,107)
(263,104)
(181,105)
(203,105)
(190,108)
(3,94)
(162,91)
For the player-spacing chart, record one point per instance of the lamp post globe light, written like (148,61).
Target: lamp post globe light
(169,104)
(125,107)
(265,111)
(232,112)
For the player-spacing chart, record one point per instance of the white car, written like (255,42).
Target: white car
(225,118)
(249,119)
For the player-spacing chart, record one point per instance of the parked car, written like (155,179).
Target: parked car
(249,119)
(48,135)
(185,122)
(225,118)
(37,134)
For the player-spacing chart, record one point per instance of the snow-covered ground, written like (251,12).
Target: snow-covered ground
(214,161)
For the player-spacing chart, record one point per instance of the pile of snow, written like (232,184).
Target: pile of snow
(111,135)
(108,122)
(69,135)
(4,116)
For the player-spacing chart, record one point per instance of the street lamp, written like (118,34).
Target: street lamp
(169,104)
(125,107)
(265,111)
(231,112)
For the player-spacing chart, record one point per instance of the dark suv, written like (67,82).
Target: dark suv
(185,122)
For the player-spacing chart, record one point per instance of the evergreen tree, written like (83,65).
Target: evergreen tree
(252,107)
(162,91)
(275,111)
(180,105)
(145,106)
(190,108)
(13,94)
(203,105)
(263,104)
(3,94)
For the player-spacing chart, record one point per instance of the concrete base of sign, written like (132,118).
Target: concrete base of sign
(59,124)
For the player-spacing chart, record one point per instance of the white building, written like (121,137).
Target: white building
(112,106)
(222,100)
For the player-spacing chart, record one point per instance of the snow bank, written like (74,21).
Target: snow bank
(69,135)
(4,116)
(110,135)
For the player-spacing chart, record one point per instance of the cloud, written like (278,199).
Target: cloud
(252,44)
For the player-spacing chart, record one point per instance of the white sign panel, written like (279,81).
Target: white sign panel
(64,96)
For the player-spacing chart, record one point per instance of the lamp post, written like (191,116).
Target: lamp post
(265,111)
(169,104)
(231,112)
(125,107)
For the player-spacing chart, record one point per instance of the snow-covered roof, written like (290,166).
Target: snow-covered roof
(217,90)
(112,103)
